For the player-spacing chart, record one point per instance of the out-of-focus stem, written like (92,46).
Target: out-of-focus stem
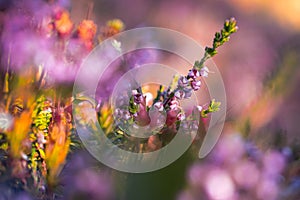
(6,78)
(90,10)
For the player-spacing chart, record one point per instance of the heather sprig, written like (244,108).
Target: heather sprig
(214,106)
(166,102)
(190,82)
(220,38)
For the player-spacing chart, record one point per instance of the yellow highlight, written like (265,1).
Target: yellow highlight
(116,24)
(19,132)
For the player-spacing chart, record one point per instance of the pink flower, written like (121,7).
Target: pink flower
(159,106)
(179,94)
(195,84)
(174,104)
(142,117)
(199,108)
(138,97)
(171,117)
(193,73)
(183,82)
(204,72)
(181,116)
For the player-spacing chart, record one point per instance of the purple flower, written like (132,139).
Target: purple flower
(199,108)
(134,92)
(187,92)
(138,97)
(179,94)
(82,180)
(246,167)
(193,73)
(181,116)
(172,116)
(274,162)
(159,106)
(267,189)
(142,117)
(122,114)
(219,185)
(231,173)
(183,82)
(204,71)
(174,104)
(195,84)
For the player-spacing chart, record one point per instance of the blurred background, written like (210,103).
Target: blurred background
(260,65)
(260,69)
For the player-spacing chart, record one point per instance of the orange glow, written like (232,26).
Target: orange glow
(285,12)
(57,150)
(64,24)
(86,31)
(19,132)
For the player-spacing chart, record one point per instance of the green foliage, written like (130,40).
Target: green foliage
(133,107)
(174,82)
(41,114)
(3,142)
(214,106)
(211,51)
(224,35)
(159,94)
(219,39)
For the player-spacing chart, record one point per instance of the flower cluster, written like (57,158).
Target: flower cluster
(236,169)
(85,181)
(42,50)
(46,37)
(165,111)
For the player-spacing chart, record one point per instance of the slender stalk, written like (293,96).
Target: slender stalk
(90,10)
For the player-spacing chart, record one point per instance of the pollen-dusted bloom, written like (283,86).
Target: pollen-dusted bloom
(63,23)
